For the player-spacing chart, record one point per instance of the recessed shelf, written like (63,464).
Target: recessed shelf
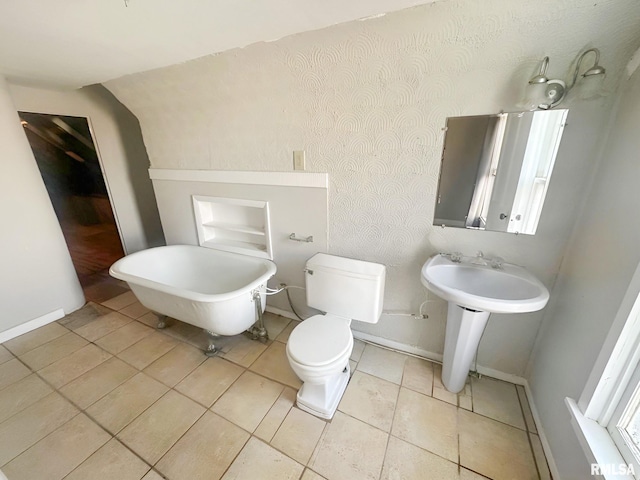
(233,224)
(234,244)
(235,228)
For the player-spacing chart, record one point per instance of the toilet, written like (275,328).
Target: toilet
(319,347)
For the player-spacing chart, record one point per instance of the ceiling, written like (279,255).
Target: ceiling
(75,43)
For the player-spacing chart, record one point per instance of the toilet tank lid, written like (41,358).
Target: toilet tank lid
(346,266)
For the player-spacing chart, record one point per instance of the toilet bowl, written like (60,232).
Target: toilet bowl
(318,351)
(319,348)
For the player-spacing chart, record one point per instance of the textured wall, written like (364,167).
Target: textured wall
(367,101)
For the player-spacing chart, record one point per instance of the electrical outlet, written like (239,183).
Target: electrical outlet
(298,160)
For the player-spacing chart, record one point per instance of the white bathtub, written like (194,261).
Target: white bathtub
(207,288)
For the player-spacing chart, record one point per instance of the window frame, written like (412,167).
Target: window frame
(610,384)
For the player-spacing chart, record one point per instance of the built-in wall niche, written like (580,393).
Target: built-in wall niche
(234,225)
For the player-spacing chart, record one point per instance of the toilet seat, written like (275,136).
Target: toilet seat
(320,340)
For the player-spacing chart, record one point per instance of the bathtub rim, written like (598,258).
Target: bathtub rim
(116,272)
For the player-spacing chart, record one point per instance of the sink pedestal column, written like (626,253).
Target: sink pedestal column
(464,329)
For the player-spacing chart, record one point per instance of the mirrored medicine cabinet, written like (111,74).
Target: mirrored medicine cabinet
(496,169)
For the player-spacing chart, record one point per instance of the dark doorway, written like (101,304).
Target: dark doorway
(69,165)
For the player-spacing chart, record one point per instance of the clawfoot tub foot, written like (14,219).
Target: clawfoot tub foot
(211,350)
(162,321)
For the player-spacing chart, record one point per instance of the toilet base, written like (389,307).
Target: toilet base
(322,400)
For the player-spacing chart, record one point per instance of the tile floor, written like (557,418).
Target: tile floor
(102,394)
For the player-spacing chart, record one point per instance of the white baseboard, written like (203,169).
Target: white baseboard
(506,377)
(31,325)
(401,347)
(435,357)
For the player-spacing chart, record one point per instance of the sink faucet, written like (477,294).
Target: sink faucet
(497,263)
(479,259)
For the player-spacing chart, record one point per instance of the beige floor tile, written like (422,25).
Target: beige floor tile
(176,364)
(103,326)
(54,350)
(244,351)
(58,454)
(22,394)
(427,423)
(155,431)
(150,319)
(498,400)
(248,400)
(418,375)
(226,344)
(274,364)
(33,423)
(187,333)
(539,457)
(352,367)
(113,461)
(5,355)
(439,390)
(71,367)
(124,337)
(298,435)
(209,381)
(311,475)
(152,475)
(121,301)
(135,310)
(284,335)
(11,372)
(469,475)
(22,344)
(358,348)
(205,451)
(275,324)
(526,409)
(370,399)
(272,421)
(87,314)
(408,462)
(105,289)
(97,382)
(466,402)
(271,464)
(349,449)
(382,363)
(126,402)
(494,449)
(445,396)
(465,397)
(148,350)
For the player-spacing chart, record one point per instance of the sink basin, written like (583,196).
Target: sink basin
(474,291)
(510,289)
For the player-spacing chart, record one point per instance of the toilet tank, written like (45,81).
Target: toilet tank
(345,287)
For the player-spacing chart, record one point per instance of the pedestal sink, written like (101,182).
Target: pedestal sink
(475,288)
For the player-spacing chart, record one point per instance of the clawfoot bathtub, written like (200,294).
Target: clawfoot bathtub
(218,291)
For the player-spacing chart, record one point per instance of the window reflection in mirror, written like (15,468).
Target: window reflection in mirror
(496,170)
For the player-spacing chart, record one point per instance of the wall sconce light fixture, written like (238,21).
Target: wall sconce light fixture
(544,93)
